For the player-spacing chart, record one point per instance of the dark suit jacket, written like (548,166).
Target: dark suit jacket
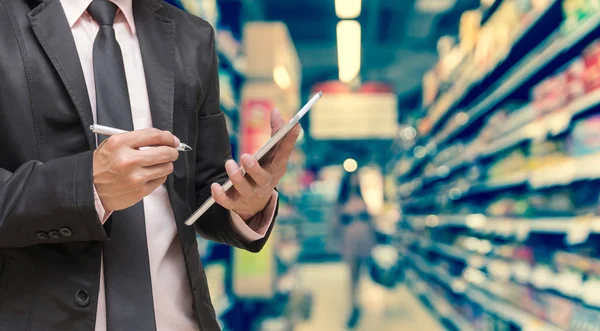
(50,234)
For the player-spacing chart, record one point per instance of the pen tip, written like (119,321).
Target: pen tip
(185,147)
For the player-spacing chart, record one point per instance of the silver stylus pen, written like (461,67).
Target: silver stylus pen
(108,131)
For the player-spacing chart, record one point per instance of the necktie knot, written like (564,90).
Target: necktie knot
(103,12)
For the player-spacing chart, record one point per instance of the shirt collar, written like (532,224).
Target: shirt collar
(74,9)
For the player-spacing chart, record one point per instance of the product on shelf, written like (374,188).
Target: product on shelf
(492,129)
(450,155)
(553,203)
(550,94)
(545,154)
(591,62)
(575,78)
(528,164)
(585,319)
(519,115)
(577,11)
(498,34)
(515,162)
(430,88)
(559,310)
(585,137)
(469,28)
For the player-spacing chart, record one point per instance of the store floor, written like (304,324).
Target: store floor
(383,310)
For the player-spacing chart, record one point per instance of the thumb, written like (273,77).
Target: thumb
(276,121)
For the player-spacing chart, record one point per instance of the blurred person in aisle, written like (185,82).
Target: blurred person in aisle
(353,225)
(92,233)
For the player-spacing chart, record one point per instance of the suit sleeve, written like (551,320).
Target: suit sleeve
(48,203)
(213,150)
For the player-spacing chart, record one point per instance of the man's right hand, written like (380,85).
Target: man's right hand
(124,175)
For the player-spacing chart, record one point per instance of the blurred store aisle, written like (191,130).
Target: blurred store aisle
(383,310)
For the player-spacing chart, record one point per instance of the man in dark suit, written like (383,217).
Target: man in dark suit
(91,227)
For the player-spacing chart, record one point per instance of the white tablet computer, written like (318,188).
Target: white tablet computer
(258,155)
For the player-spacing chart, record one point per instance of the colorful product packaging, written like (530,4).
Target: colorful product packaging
(585,319)
(585,137)
(550,94)
(575,78)
(591,60)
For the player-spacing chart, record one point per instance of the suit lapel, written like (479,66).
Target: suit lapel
(52,30)
(156,35)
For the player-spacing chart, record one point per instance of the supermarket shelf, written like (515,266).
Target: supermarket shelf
(491,303)
(463,86)
(456,284)
(445,171)
(490,11)
(478,261)
(513,180)
(574,227)
(450,251)
(566,172)
(550,125)
(443,249)
(544,54)
(442,307)
(569,171)
(236,65)
(509,312)
(415,164)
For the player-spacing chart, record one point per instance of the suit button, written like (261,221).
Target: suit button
(54,234)
(82,298)
(42,235)
(66,232)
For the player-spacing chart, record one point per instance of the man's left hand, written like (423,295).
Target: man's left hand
(251,193)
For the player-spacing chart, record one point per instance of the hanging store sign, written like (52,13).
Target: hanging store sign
(355,116)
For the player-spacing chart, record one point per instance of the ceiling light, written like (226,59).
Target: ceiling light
(350,165)
(349,49)
(348,9)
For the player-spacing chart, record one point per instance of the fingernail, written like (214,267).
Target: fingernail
(217,189)
(248,161)
(231,167)
(177,142)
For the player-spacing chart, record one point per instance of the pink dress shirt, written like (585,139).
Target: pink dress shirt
(170,286)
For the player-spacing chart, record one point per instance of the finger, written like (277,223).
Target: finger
(220,197)
(258,174)
(143,138)
(158,171)
(286,146)
(289,141)
(156,155)
(276,121)
(241,184)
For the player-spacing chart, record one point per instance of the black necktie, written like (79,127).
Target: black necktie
(129,303)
